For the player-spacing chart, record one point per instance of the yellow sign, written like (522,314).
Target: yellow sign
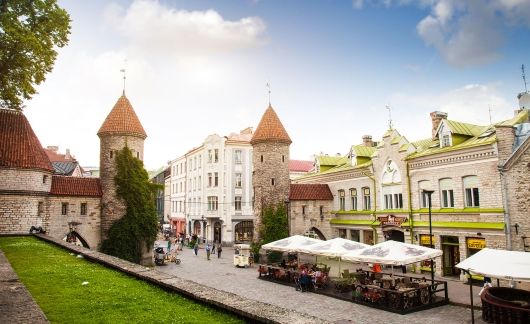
(476,243)
(426,240)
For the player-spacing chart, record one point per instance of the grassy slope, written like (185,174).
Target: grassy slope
(54,277)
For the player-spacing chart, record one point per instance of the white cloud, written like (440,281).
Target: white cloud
(154,28)
(468,32)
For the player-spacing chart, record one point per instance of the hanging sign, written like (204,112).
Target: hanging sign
(476,243)
(391,220)
(426,240)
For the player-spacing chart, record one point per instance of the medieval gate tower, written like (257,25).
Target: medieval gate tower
(121,128)
(270,161)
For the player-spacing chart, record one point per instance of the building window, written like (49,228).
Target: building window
(237,156)
(424,198)
(216,156)
(446,140)
(272,181)
(446,190)
(367,204)
(471,191)
(283,158)
(237,203)
(342,200)
(355,235)
(44,178)
(210,156)
(353,194)
(212,203)
(321,209)
(64,208)
(342,233)
(40,208)
(83,208)
(398,201)
(209,179)
(238,180)
(111,153)
(261,157)
(303,210)
(388,201)
(216,179)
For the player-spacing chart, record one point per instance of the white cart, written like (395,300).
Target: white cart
(242,256)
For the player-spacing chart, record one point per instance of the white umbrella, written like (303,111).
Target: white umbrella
(290,244)
(502,264)
(392,253)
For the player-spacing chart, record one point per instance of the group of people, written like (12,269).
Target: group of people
(311,276)
(210,248)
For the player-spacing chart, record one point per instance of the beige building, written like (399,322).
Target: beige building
(476,177)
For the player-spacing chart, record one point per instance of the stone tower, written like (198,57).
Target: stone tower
(121,128)
(270,161)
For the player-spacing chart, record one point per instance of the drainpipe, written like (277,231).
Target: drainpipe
(375,202)
(507,228)
(411,215)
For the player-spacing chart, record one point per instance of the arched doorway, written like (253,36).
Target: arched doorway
(316,233)
(217,232)
(197,227)
(75,238)
(394,235)
(243,232)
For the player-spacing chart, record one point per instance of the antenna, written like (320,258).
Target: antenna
(489,109)
(268,85)
(123,71)
(389,116)
(524,78)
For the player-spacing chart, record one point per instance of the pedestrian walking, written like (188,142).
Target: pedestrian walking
(219,250)
(213,248)
(196,248)
(208,251)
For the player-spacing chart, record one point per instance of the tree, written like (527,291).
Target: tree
(129,236)
(30,31)
(274,226)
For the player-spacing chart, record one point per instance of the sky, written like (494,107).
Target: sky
(198,67)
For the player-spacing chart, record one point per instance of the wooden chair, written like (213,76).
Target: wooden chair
(345,273)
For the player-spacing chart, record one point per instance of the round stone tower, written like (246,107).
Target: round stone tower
(121,128)
(270,161)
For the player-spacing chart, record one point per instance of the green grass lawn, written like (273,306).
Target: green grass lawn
(55,279)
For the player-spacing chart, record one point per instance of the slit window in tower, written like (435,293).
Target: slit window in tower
(272,181)
(262,158)
(111,154)
(283,158)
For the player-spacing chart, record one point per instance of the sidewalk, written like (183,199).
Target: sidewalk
(16,303)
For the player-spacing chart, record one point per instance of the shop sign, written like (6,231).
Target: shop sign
(425,240)
(391,220)
(476,243)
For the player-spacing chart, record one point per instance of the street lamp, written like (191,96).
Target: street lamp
(429,194)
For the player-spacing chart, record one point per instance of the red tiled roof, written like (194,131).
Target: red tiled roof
(54,156)
(300,166)
(75,186)
(19,146)
(122,120)
(310,192)
(270,128)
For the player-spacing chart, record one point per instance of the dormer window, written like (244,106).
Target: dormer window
(444,134)
(446,140)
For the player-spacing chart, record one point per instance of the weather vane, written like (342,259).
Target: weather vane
(268,85)
(123,71)
(524,78)
(389,116)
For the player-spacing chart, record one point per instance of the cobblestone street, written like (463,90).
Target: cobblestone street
(222,275)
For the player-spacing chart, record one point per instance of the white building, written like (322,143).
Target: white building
(211,189)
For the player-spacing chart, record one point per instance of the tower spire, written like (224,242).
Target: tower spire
(390,126)
(268,85)
(123,70)
(524,79)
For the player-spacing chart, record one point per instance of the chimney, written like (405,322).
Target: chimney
(53,148)
(67,155)
(436,118)
(367,141)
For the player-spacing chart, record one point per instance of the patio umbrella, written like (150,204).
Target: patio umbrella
(290,244)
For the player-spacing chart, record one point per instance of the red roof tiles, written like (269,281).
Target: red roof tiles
(19,146)
(75,186)
(122,120)
(270,128)
(300,166)
(310,192)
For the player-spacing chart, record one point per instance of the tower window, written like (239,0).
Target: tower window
(261,157)
(111,154)
(283,158)
(137,155)
(83,208)
(64,208)
(44,177)
(272,181)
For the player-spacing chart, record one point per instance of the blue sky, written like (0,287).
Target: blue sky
(196,68)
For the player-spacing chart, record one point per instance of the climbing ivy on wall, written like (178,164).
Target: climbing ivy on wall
(137,229)
(274,226)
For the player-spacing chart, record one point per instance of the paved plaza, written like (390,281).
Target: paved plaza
(222,275)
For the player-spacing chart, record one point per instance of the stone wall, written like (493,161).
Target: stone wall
(275,166)
(19,212)
(87,226)
(25,180)
(301,223)
(113,208)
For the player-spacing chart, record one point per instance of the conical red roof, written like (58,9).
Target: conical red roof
(19,146)
(122,120)
(270,128)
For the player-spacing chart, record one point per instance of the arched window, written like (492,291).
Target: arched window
(243,231)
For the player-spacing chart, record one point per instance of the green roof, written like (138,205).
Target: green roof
(361,150)
(331,160)
(465,129)
(520,118)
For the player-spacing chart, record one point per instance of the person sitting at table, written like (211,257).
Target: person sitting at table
(305,279)
(283,263)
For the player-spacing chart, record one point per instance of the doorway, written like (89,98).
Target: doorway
(451,255)
(217,232)
(394,235)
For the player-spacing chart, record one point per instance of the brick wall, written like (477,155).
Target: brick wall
(301,223)
(25,180)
